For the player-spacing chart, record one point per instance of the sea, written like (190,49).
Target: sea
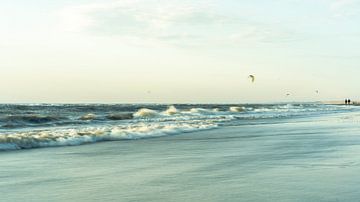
(179,152)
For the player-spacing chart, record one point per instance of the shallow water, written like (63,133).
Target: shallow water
(305,156)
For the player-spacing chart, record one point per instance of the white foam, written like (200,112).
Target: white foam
(146,113)
(237,109)
(88,117)
(201,111)
(72,137)
(171,111)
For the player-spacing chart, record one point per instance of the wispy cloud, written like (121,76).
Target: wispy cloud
(265,34)
(343,8)
(124,14)
(173,22)
(340,4)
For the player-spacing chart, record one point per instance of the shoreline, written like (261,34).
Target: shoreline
(354,103)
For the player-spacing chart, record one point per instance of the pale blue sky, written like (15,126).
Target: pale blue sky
(179,50)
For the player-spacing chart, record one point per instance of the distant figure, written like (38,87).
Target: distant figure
(346,101)
(349,101)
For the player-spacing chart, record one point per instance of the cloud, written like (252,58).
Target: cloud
(176,22)
(150,14)
(344,8)
(340,4)
(78,18)
(265,34)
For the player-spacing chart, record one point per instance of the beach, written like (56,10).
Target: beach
(296,158)
(179,101)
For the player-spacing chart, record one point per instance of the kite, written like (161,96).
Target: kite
(252,77)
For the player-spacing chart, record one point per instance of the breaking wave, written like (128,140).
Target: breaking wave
(146,113)
(237,109)
(33,126)
(171,111)
(88,117)
(72,137)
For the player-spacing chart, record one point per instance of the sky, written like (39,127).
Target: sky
(179,51)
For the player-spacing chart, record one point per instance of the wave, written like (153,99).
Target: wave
(120,116)
(72,137)
(88,117)
(146,113)
(202,111)
(171,111)
(236,109)
(31,118)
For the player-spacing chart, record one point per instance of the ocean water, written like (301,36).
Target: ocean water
(249,152)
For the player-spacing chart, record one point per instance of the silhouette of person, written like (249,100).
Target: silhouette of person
(346,101)
(349,101)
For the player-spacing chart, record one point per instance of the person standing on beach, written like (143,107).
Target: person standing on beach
(346,101)
(349,102)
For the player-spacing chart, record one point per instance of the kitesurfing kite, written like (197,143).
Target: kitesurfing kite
(252,77)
